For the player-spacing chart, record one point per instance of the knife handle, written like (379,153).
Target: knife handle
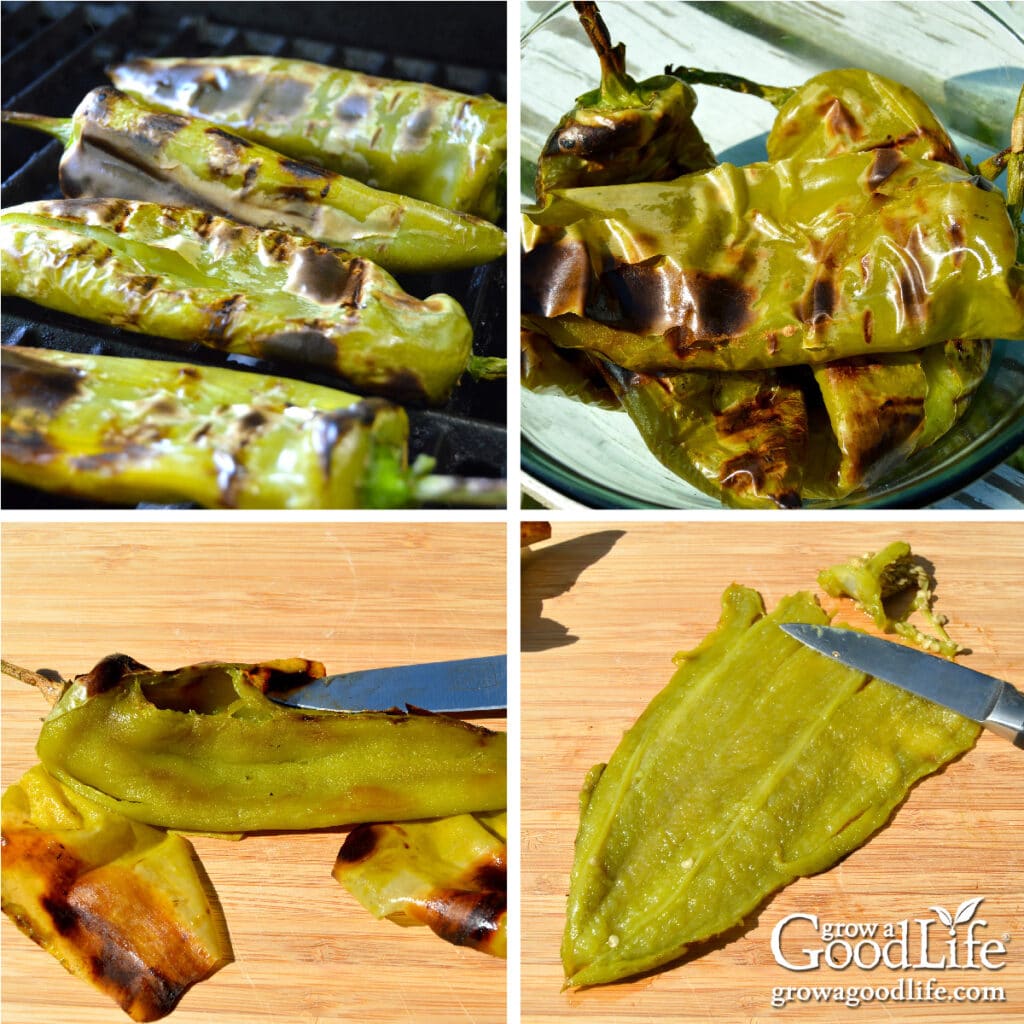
(1007,716)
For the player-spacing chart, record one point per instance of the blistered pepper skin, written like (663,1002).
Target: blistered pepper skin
(796,262)
(191,276)
(126,431)
(418,140)
(117,147)
(204,749)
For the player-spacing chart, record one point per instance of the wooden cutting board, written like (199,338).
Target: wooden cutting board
(605,606)
(353,596)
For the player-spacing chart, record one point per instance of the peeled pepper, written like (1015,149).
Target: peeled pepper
(187,275)
(760,762)
(435,144)
(116,147)
(119,904)
(203,748)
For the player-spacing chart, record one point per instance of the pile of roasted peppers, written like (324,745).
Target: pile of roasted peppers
(91,873)
(180,221)
(783,332)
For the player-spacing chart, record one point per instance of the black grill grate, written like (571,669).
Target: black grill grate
(54,53)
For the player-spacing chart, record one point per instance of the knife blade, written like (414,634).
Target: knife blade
(991,702)
(447,687)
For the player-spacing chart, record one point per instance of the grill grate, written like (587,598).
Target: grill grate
(54,53)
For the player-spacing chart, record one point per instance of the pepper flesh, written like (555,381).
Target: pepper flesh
(418,140)
(448,874)
(139,430)
(119,904)
(190,276)
(907,254)
(116,147)
(203,748)
(624,130)
(760,762)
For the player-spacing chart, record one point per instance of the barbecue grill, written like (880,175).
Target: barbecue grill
(54,53)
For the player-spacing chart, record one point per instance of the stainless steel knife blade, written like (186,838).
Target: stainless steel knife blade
(449,687)
(991,702)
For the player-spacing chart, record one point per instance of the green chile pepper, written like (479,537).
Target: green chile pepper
(882,408)
(795,262)
(188,275)
(203,748)
(418,140)
(624,130)
(138,430)
(760,762)
(116,147)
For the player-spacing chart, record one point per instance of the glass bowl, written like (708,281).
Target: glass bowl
(965,59)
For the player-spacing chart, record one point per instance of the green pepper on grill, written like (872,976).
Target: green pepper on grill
(623,130)
(190,276)
(434,144)
(138,430)
(116,147)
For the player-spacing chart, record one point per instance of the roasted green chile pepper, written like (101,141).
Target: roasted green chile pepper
(138,430)
(760,762)
(882,408)
(624,130)
(187,275)
(794,262)
(434,144)
(116,147)
(203,748)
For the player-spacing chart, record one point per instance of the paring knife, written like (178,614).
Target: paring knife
(991,702)
(447,687)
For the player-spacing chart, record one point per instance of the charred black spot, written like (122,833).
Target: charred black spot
(491,876)
(109,673)
(359,844)
(594,141)
(839,120)
(418,127)
(744,472)
(868,326)
(232,143)
(310,347)
(957,239)
(465,918)
(219,318)
(555,277)
(64,917)
(252,421)
(818,305)
(36,383)
(298,169)
(324,276)
(884,164)
(913,292)
(157,126)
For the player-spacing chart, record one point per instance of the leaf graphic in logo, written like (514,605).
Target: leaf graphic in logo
(946,918)
(966,910)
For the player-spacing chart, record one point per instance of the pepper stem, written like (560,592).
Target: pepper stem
(51,689)
(487,367)
(616,85)
(59,127)
(777,96)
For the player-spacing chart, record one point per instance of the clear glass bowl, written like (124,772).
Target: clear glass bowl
(965,59)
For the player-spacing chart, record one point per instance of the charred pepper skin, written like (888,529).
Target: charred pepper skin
(797,262)
(114,146)
(418,140)
(190,276)
(126,431)
(624,130)
(203,748)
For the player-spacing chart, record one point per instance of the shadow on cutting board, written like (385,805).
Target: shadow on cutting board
(552,570)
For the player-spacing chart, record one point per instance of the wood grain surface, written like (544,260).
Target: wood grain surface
(606,605)
(353,596)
